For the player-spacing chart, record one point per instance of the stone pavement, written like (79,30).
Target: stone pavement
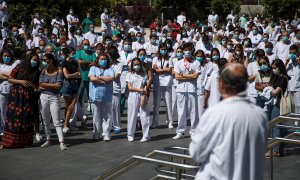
(85,159)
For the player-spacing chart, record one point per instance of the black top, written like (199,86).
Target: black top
(282,82)
(72,68)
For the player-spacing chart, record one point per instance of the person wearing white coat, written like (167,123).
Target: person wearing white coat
(179,56)
(201,80)
(125,59)
(187,71)
(162,67)
(231,136)
(138,95)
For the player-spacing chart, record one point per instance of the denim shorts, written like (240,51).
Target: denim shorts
(70,87)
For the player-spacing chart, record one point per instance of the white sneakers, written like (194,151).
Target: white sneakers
(38,137)
(170,126)
(130,138)
(46,144)
(66,130)
(62,146)
(178,136)
(145,140)
(106,138)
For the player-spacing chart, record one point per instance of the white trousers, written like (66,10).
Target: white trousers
(115,111)
(166,92)
(133,109)
(77,113)
(174,103)
(200,102)
(3,110)
(187,104)
(50,105)
(101,118)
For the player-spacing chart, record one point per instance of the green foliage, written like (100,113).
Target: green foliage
(281,8)
(223,7)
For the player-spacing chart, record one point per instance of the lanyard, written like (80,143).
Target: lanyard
(186,65)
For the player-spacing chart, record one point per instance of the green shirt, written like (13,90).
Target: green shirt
(82,55)
(86,24)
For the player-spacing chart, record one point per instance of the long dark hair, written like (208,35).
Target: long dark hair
(131,66)
(51,57)
(161,56)
(281,67)
(28,72)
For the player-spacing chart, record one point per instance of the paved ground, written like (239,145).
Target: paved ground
(86,159)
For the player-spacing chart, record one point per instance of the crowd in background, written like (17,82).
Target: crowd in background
(178,62)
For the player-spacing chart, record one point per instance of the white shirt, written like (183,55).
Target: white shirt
(232,17)
(71,18)
(282,50)
(230,141)
(201,81)
(252,69)
(212,85)
(293,70)
(137,45)
(165,79)
(104,17)
(5,85)
(184,67)
(181,19)
(37,23)
(150,48)
(117,82)
(255,39)
(212,19)
(56,24)
(92,37)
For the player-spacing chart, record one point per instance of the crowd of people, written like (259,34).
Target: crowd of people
(178,62)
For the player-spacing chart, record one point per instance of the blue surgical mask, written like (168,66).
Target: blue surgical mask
(179,55)
(255,32)
(264,39)
(298,36)
(109,42)
(72,57)
(236,36)
(103,63)
(163,52)
(33,63)
(268,50)
(200,59)
(127,47)
(153,41)
(142,57)
(86,47)
(184,34)
(264,68)
(246,43)
(16,33)
(285,38)
(44,64)
(154,33)
(6,59)
(139,39)
(292,56)
(42,48)
(92,29)
(216,57)
(187,54)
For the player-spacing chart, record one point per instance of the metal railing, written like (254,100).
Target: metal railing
(135,161)
(292,117)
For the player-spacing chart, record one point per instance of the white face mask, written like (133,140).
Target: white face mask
(276,71)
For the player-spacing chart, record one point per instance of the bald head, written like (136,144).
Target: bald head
(233,79)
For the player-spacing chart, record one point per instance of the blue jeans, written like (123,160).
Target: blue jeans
(274,112)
